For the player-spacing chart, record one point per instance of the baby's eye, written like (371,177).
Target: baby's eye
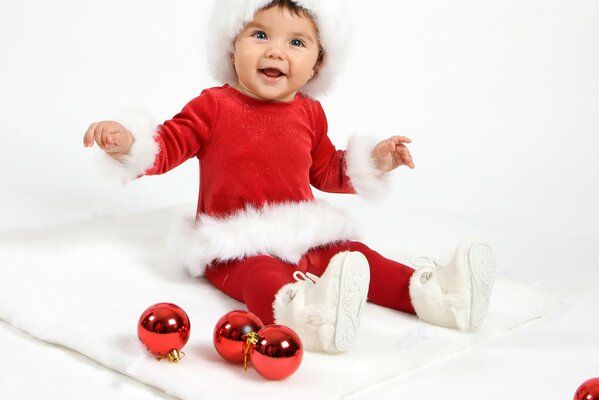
(260,35)
(296,43)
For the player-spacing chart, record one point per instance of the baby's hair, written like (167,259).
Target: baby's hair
(299,11)
(291,6)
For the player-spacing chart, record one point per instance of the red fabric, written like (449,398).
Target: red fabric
(251,151)
(256,280)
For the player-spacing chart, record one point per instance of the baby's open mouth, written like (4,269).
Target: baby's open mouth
(272,72)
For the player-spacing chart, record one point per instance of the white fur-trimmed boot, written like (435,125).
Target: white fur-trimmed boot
(325,312)
(457,295)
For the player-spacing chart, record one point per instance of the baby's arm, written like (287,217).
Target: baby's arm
(110,136)
(139,147)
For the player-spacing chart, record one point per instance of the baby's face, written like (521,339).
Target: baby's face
(275,55)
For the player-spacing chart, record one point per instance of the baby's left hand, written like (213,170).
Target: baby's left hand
(392,153)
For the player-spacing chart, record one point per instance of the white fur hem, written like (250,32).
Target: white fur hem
(365,178)
(143,152)
(286,231)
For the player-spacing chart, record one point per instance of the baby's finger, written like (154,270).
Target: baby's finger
(111,139)
(401,139)
(98,137)
(405,156)
(105,131)
(115,142)
(391,145)
(88,138)
(108,130)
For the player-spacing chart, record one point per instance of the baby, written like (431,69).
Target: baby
(261,139)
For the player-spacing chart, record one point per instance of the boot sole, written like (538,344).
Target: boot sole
(353,289)
(482,277)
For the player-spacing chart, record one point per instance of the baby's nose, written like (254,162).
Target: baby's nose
(275,51)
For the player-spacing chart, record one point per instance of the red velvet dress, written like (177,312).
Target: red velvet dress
(252,151)
(257,219)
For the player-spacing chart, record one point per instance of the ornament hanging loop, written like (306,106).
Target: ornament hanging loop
(174,356)
(252,339)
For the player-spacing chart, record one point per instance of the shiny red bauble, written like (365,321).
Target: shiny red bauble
(164,329)
(589,390)
(275,351)
(230,334)
(278,352)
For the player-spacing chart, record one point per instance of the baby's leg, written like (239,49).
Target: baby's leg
(454,296)
(389,280)
(308,305)
(253,281)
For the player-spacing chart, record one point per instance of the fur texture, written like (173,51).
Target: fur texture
(51,278)
(285,231)
(229,17)
(314,323)
(312,317)
(445,298)
(143,151)
(365,178)
(430,300)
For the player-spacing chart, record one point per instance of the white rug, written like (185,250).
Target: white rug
(84,286)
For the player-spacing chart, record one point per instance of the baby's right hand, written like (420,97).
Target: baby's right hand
(111,137)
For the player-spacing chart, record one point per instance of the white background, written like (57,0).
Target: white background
(501,100)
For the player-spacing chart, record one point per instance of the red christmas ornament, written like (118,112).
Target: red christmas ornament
(231,333)
(589,390)
(277,353)
(164,329)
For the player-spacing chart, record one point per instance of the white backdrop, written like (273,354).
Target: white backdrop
(500,98)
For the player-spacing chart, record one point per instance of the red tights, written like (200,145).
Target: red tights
(256,280)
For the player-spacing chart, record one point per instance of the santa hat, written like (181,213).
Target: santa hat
(229,17)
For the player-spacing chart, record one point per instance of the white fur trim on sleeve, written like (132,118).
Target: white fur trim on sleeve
(365,178)
(143,152)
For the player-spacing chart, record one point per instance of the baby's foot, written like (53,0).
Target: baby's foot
(481,264)
(457,295)
(326,311)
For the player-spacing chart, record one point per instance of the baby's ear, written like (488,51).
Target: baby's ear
(319,62)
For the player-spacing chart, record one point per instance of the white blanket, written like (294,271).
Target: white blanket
(84,287)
